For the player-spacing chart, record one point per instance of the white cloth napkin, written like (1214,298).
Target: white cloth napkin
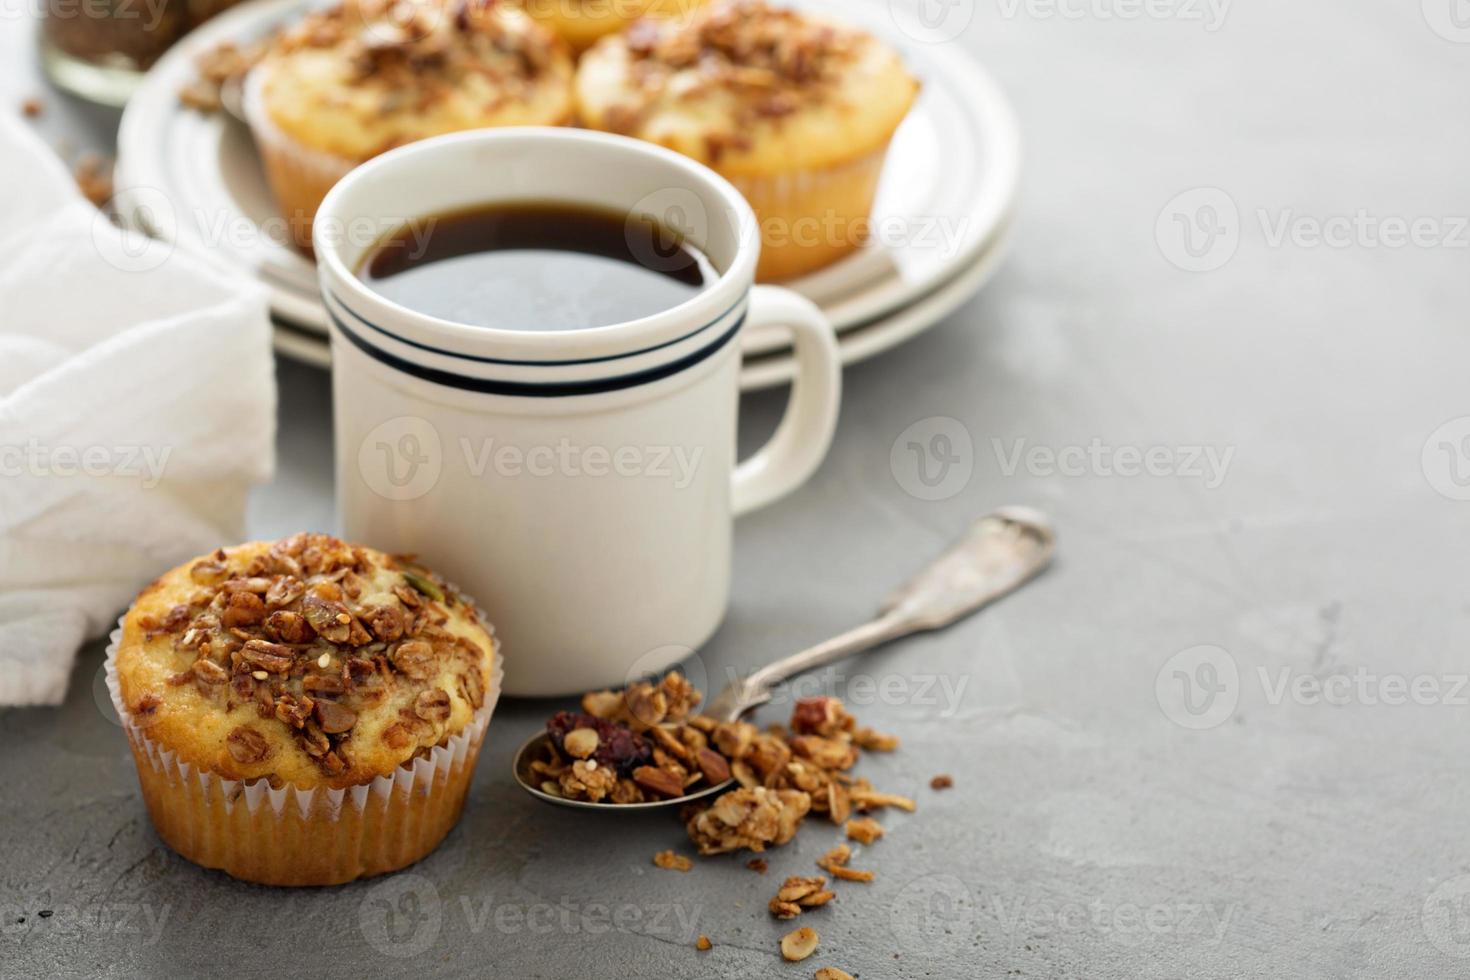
(137,405)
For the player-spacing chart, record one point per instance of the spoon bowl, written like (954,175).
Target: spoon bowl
(538,746)
(997,555)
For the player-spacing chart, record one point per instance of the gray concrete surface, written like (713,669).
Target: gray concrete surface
(1150,779)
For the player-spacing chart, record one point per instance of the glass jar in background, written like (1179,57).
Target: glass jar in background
(99,49)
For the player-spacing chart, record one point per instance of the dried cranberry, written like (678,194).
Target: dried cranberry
(617,746)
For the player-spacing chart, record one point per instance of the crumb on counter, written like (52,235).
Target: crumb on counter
(93,175)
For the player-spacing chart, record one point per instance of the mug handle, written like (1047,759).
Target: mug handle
(805,433)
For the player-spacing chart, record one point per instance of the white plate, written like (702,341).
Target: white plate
(768,370)
(947,188)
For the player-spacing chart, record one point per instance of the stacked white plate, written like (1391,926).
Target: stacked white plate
(940,222)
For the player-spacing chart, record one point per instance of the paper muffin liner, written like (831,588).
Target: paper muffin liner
(317,836)
(834,204)
(299,175)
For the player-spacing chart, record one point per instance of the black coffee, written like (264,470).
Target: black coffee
(536,267)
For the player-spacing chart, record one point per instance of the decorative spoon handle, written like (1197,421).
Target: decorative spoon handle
(998,554)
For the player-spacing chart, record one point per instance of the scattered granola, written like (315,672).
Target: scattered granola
(834,862)
(748,818)
(799,893)
(647,743)
(864,830)
(865,798)
(798,944)
(703,944)
(941,782)
(32,107)
(670,861)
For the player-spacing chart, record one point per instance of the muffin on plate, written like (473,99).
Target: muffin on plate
(796,111)
(582,22)
(364,77)
(303,712)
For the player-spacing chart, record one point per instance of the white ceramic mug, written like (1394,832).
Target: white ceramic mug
(580,484)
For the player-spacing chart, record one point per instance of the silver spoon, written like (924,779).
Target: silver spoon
(998,554)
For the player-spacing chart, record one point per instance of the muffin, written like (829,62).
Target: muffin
(796,111)
(303,712)
(582,22)
(359,79)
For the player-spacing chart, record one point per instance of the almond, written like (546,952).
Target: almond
(798,944)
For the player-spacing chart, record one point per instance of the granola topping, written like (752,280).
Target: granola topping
(281,630)
(766,61)
(415,52)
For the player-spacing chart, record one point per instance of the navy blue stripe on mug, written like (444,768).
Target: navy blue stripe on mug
(545,389)
(496,360)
